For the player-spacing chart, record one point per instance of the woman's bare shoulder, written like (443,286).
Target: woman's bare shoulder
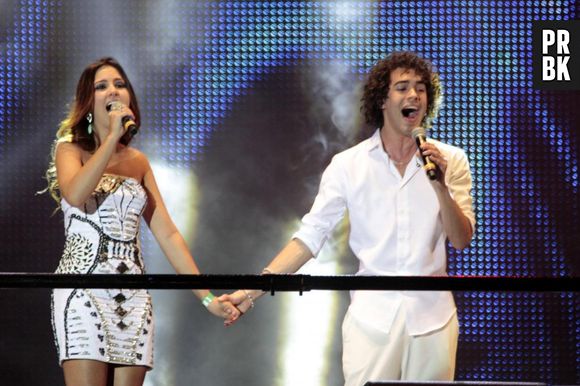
(68,148)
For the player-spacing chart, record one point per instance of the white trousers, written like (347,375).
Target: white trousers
(372,355)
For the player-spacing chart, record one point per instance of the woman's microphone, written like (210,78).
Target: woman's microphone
(127,120)
(418,134)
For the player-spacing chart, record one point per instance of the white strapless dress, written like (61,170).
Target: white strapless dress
(108,325)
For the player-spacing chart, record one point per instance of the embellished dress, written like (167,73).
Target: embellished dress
(102,237)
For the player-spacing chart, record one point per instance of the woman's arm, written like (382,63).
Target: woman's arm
(172,243)
(77,181)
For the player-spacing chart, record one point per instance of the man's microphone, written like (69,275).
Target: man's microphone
(418,134)
(127,121)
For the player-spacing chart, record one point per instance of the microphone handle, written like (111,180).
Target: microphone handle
(429,166)
(129,125)
(430,169)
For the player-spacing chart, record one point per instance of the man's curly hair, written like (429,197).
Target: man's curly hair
(376,88)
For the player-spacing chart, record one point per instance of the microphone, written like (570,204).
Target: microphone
(418,134)
(127,121)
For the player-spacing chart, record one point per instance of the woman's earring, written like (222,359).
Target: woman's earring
(90,126)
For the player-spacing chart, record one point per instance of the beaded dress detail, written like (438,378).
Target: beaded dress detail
(102,237)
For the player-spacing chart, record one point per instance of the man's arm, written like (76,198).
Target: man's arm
(289,260)
(455,223)
(327,210)
(457,226)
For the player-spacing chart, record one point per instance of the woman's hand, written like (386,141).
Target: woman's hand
(225,310)
(116,114)
(240,299)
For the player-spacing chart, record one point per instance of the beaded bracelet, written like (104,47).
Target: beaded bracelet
(250,298)
(208,299)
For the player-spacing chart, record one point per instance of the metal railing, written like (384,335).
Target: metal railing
(297,282)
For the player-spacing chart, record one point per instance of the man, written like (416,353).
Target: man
(400,221)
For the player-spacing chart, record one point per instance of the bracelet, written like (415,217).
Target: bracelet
(267,271)
(250,298)
(207,300)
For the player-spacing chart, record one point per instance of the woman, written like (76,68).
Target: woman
(103,186)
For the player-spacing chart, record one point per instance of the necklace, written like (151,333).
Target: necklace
(407,150)
(398,162)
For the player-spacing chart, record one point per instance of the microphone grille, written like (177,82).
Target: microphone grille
(418,131)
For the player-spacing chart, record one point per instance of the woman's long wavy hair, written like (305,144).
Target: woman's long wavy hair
(74,127)
(376,88)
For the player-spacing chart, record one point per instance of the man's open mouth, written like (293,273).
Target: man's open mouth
(409,112)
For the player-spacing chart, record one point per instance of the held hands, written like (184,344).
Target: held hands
(222,309)
(241,300)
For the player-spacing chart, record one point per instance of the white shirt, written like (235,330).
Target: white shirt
(395,228)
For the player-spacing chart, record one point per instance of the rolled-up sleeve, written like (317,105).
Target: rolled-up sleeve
(459,182)
(327,210)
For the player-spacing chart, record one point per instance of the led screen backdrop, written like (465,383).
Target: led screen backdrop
(243,105)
